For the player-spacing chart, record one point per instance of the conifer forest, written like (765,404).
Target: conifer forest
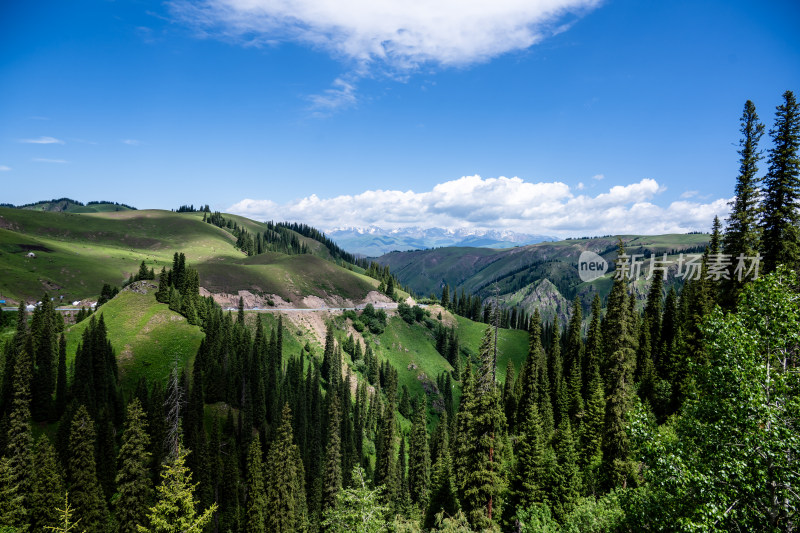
(668,406)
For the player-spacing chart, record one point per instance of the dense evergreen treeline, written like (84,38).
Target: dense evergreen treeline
(682,416)
(273,239)
(473,307)
(191,209)
(68,200)
(312,233)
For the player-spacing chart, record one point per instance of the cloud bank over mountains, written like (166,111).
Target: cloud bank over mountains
(549,208)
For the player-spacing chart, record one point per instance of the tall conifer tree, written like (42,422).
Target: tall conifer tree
(20,438)
(256,492)
(285,488)
(48,487)
(85,491)
(419,457)
(742,233)
(481,437)
(781,236)
(332,483)
(134,487)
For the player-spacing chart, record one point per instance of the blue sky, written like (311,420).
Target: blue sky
(560,117)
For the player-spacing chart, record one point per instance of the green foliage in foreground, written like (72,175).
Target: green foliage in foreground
(730,462)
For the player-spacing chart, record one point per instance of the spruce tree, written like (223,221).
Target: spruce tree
(45,353)
(510,398)
(174,510)
(12,508)
(443,495)
(162,294)
(327,355)
(594,345)
(61,380)
(256,492)
(332,482)
(742,233)
(591,438)
(20,438)
(403,499)
(285,494)
(385,461)
(780,233)
(618,371)
(567,479)
(573,361)
(419,457)
(481,443)
(11,349)
(87,495)
(134,487)
(527,479)
(48,487)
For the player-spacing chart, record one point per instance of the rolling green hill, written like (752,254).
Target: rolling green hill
(75,254)
(148,338)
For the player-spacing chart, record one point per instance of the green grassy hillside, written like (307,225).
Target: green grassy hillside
(411,349)
(148,338)
(75,254)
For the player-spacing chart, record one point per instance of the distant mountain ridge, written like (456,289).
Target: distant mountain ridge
(68,205)
(541,276)
(373,241)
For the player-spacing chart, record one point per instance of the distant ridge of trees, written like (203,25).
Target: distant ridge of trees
(67,201)
(191,209)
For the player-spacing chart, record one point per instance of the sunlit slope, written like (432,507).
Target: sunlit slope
(147,337)
(75,254)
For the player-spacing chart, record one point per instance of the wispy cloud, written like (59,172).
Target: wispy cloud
(83,141)
(4,168)
(689,194)
(551,208)
(45,160)
(42,140)
(131,142)
(393,37)
(341,96)
(598,177)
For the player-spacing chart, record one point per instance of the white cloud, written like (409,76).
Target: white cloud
(689,194)
(401,33)
(4,168)
(131,142)
(551,208)
(42,140)
(393,37)
(44,160)
(598,177)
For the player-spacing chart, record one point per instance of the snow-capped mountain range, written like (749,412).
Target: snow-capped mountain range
(373,241)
